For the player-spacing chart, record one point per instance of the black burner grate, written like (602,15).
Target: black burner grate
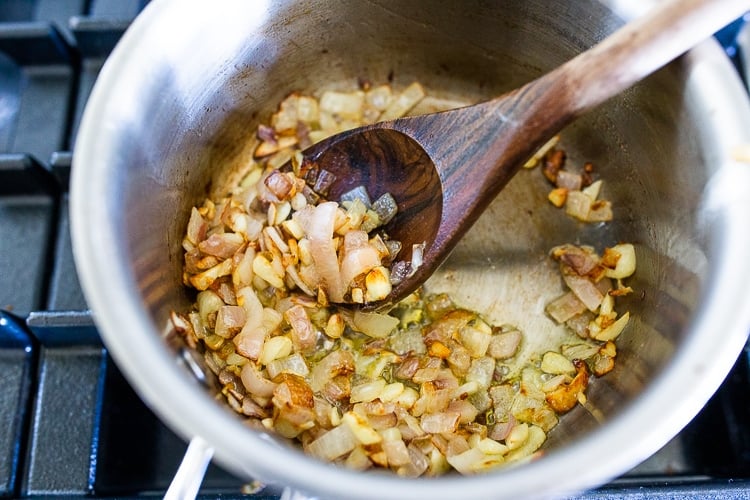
(72,426)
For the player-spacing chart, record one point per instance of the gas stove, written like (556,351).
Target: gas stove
(72,427)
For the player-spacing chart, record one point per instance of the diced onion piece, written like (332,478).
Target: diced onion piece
(333,444)
(346,105)
(296,278)
(275,348)
(197,227)
(534,411)
(432,400)
(553,383)
(612,331)
(377,284)
(418,463)
(281,184)
(359,257)
(293,401)
(358,459)
(556,364)
(386,208)
(466,389)
(592,190)
(568,180)
(307,109)
(475,338)
(501,430)
(249,342)
(408,398)
(368,391)
(267,148)
(248,300)
(273,234)
(391,392)
(286,117)
(437,423)
(358,193)
(254,381)
(423,375)
(518,436)
(405,341)
(625,262)
(558,197)
(581,259)
(467,412)
(355,216)
(379,97)
(374,324)
(565,396)
(504,345)
(319,231)
(601,211)
(403,102)
(491,447)
(585,291)
(293,227)
(222,245)
(209,304)
(202,281)
(607,306)
(336,363)
(229,321)
(481,371)
(304,335)
(361,428)
(468,461)
(579,351)
(396,452)
(242,275)
(534,441)
(578,205)
(263,268)
(417,254)
(565,307)
(536,157)
(294,364)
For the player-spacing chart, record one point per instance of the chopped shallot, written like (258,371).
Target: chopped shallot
(319,232)
(420,389)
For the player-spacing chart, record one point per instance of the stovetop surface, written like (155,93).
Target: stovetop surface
(72,426)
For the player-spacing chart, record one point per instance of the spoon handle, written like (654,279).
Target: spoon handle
(477,150)
(544,106)
(643,46)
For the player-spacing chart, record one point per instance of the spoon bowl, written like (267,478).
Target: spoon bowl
(365,157)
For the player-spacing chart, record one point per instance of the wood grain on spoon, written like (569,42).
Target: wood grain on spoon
(444,169)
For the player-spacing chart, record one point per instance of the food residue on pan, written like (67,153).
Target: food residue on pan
(421,390)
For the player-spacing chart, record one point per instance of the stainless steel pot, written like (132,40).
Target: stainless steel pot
(181,94)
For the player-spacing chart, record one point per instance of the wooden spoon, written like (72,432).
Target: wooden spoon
(444,169)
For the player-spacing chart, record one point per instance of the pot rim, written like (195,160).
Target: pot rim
(638,431)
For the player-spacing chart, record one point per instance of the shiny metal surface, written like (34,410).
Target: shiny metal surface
(172,110)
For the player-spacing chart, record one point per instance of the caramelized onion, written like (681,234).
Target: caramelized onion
(421,389)
(319,231)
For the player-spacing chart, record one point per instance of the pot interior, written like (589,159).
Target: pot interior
(465,54)
(187,123)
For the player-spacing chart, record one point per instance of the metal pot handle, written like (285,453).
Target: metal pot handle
(292,494)
(187,481)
